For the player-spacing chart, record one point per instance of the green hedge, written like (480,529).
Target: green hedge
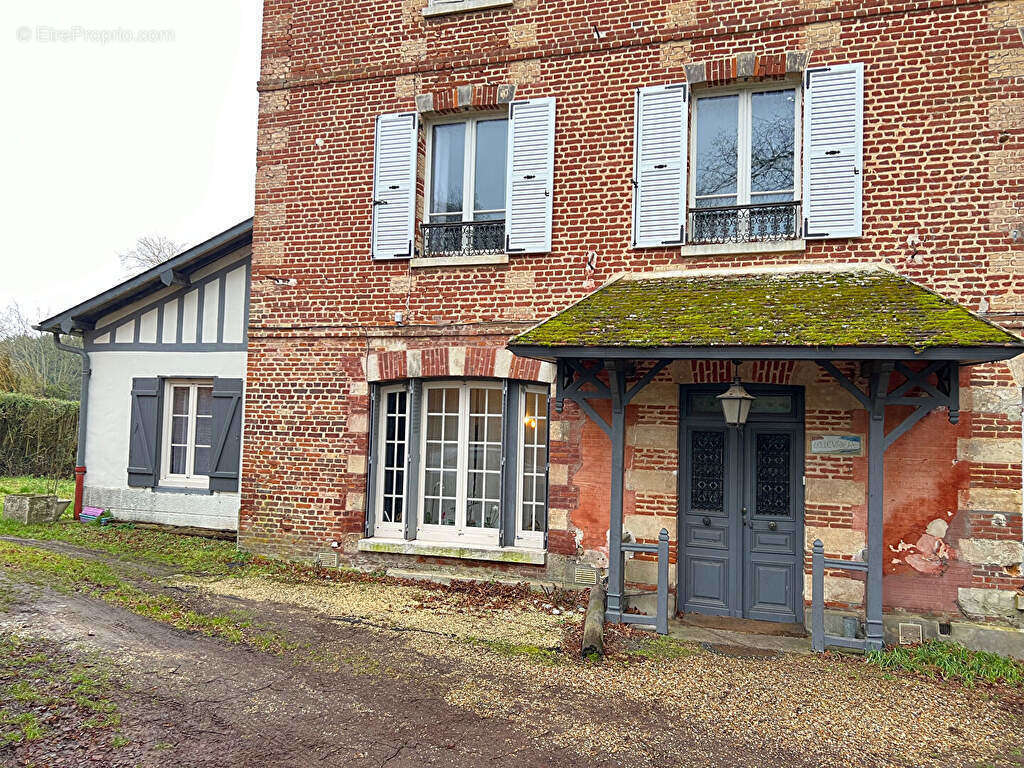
(37,436)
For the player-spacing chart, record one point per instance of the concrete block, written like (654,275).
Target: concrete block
(653,436)
(558,474)
(837,541)
(821,490)
(993,603)
(649,526)
(1004,401)
(990,551)
(838,589)
(559,431)
(651,481)
(357,464)
(658,393)
(991,449)
(990,499)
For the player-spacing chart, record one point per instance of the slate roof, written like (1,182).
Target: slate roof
(838,307)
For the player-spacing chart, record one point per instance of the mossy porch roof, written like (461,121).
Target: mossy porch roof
(846,308)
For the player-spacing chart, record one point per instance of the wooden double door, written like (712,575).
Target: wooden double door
(741,506)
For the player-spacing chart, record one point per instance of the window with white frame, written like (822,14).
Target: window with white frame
(479,470)
(745,165)
(465,186)
(533,483)
(187,433)
(392,450)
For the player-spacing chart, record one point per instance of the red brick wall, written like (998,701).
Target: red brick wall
(944,162)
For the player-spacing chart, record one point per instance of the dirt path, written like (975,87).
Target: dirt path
(384,686)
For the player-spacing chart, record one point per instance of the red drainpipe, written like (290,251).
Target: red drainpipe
(79,488)
(83,412)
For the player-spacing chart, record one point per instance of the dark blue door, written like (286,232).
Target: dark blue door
(741,507)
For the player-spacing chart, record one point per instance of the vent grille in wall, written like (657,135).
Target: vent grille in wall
(910,634)
(583,574)
(326,559)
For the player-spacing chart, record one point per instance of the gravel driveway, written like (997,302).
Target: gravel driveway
(378,673)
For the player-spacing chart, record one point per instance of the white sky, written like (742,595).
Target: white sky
(102,142)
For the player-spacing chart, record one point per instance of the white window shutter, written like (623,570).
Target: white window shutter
(530,183)
(394,185)
(833,151)
(659,172)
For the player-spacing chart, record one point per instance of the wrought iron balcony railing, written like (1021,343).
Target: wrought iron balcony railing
(763,222)
(464,238)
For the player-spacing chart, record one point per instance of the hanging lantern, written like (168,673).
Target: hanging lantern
(736,402)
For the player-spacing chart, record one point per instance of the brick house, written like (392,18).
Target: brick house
(507,254)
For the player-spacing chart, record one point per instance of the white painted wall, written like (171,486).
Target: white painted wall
(109,421)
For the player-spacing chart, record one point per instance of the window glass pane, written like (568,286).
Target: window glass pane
(448,157)
(772,143)
(710,405)
(489,174)
(179,399)
(534,464)
(204,430)
(179,430)
(484,477)
(204,401)
(393,466)
(178,459)
(716,143)
(202,461)
(441,456)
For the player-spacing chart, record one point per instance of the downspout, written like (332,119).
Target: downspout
(83,413)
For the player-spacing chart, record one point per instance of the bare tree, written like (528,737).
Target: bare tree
(149,251)
(30,363)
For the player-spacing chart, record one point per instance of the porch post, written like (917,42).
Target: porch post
(616,581)
(879,386)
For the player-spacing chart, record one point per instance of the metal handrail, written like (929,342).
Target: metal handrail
(820,640)
(463,238)
(660,619)
(757,222)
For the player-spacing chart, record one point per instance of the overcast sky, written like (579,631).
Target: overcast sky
(106,137)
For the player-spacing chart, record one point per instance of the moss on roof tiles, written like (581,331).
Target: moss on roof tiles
(840,308)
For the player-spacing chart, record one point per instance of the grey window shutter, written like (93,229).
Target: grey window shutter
(530,181)
(659,172)
(507,510)
(373,458)
(144,437)
(227,434)
(833,151)
(394,185)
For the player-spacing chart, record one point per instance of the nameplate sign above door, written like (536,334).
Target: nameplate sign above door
(837,445)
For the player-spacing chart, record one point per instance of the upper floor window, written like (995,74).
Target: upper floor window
(466,185)
(745,163)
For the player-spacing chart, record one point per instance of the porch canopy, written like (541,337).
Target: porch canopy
(613,342)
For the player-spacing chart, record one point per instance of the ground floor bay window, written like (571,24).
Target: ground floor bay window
(460,463)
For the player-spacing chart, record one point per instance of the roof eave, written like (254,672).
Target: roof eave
(82,316)
(968,355)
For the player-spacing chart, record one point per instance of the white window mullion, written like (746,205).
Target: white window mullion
(190,460)
(462,484)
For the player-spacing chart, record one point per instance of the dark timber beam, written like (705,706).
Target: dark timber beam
(945,393)
(572,382)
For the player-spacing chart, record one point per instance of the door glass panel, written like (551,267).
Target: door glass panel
(448,157)
(771,475)
(534,472)
(707,474)
(710,405)
(717,150)
(441,456)
(484,471)
(395,414)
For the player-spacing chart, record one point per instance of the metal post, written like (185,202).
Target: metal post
(616,582)
(818,596)
(876,483)
(662,625)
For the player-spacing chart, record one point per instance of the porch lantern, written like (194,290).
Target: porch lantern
(736,402)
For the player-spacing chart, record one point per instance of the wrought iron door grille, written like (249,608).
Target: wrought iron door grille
(764,222)
(464,238)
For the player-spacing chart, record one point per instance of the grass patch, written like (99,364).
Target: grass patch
(662,647)
(100,580)
(190,553)
(950,661)
(505,648)
(25,484)
(43,690)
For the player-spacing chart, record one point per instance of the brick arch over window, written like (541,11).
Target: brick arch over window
(746,65)
(439,362)
(465,97)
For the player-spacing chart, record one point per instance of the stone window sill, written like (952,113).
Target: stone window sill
(483,259)
(462,6)
(724,249)
(520,555)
